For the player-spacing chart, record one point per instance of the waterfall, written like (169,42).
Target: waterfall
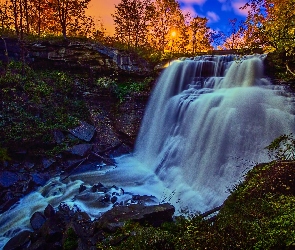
(207,122)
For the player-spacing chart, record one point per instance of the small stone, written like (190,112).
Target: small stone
(114,199)
(82,188)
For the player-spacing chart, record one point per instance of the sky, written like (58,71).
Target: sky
(218,12)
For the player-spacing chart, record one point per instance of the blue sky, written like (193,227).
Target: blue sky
(217,11)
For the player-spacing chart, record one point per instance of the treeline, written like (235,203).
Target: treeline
(162,26)
(46,17)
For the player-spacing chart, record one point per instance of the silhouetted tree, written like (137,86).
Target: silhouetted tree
(132,19)
(69,14)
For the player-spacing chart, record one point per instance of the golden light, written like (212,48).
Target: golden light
(173,33)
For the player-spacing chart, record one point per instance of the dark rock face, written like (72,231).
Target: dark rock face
(75,55)
(81,149)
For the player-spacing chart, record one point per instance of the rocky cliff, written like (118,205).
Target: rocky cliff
(93,57)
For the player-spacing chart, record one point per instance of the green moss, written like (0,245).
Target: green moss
(35,103)
(4,155)
(71,241)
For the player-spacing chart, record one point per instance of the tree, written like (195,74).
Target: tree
(200,35)
(237,37)
(5,18)
(167,18)
(132,18)
(271,24)
(69,14)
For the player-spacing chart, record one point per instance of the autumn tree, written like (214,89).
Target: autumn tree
(42,21)
(70,15)
(132,19)
(200,35)
(167,18)
(5,18)
(271,24)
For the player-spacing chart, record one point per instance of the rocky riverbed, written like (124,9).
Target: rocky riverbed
(111,133)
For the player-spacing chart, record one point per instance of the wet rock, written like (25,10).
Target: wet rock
(106,198)
(7,204)
(153,215)
(114,199)
(40,179)
(19,241)
(47,162)
(143,199)
(98,188)
(8,178)
(37,220)
(84,132)
(52,231)
(82,188)
(81,149)
(49,211)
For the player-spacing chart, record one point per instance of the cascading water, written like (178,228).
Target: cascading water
(207,120)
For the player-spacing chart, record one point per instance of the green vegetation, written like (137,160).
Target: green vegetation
(35,103)
(124,87)
(71,241)
(38,102)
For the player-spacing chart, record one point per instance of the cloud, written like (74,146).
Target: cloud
(190,2)
(189,9)
(236,7)
(213,17)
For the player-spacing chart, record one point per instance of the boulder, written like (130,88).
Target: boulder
(8,178)
(19,241)
(49,211)
(81,149)
(153,215)
(40,179)
(37,220)
(84,132)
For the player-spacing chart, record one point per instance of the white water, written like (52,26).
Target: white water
(207,120)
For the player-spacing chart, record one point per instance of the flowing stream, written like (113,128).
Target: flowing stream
(207,123)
